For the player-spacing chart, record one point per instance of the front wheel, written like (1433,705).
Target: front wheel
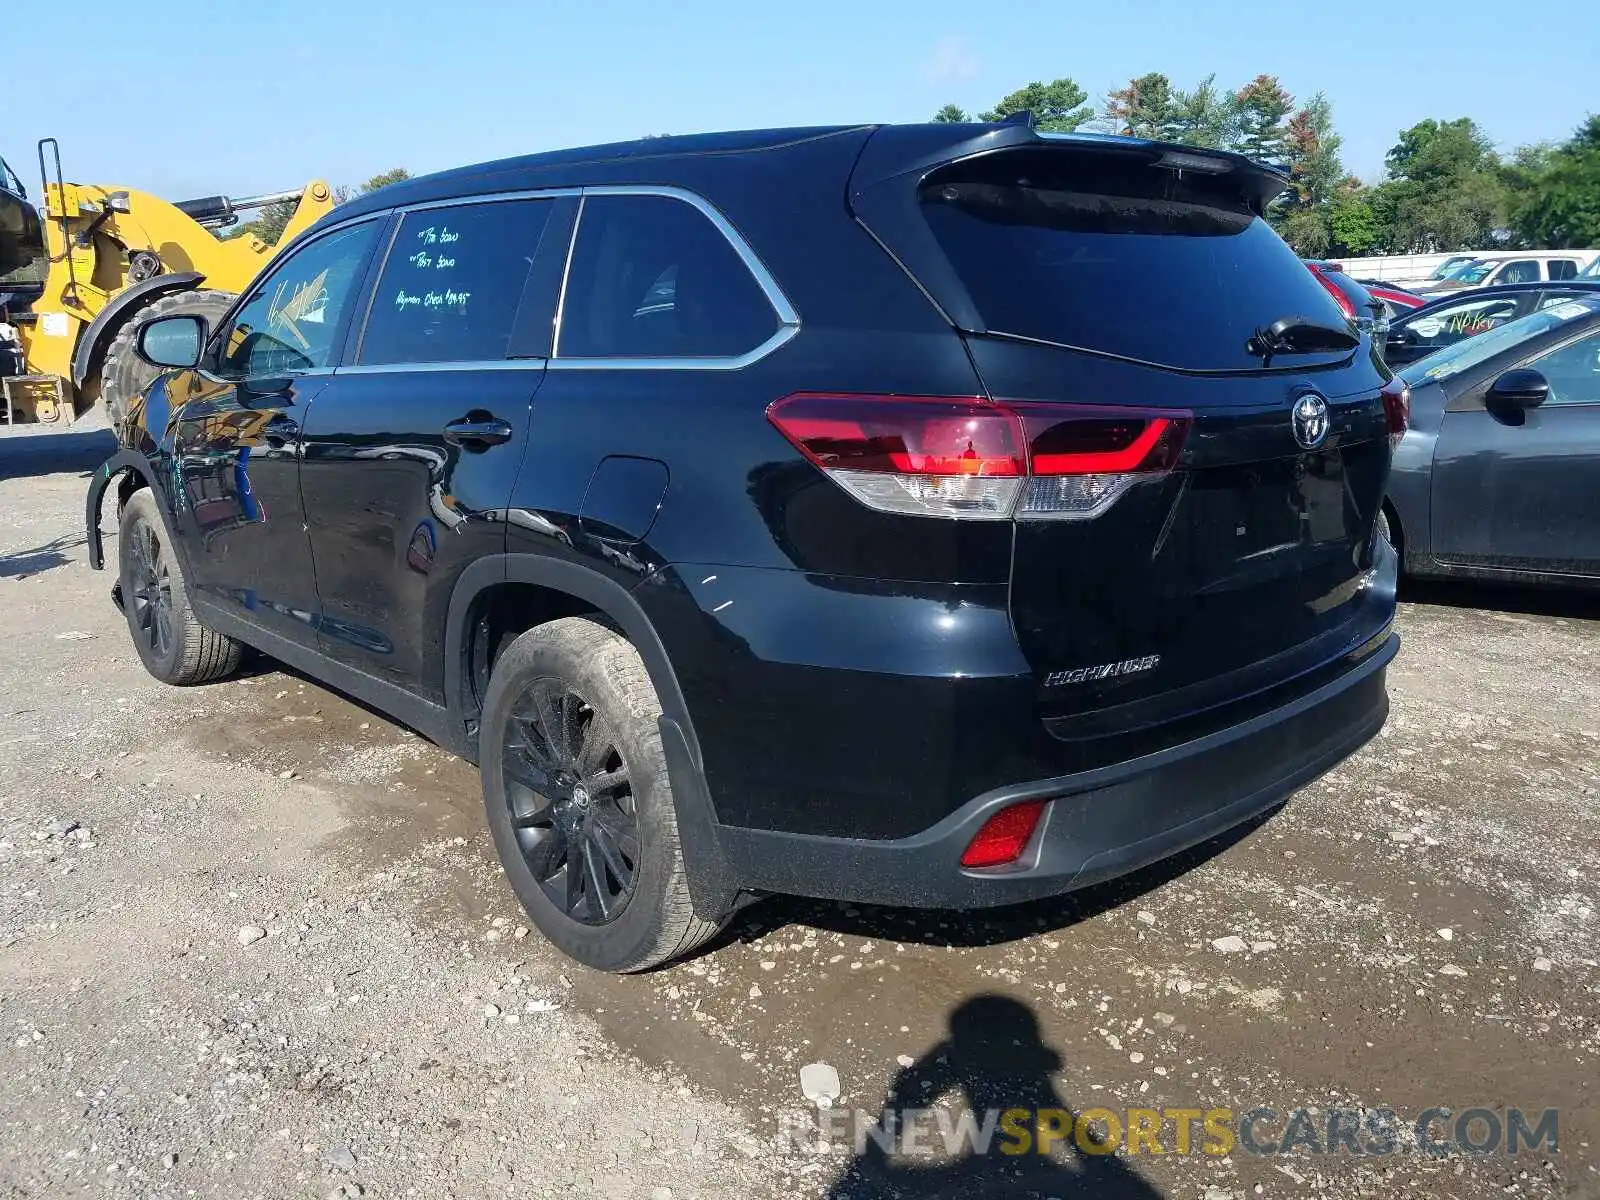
(576,792)
(172,643)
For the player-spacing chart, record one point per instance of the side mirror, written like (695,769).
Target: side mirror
(1518,389)
(173,342)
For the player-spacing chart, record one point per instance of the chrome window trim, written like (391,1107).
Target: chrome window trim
(372,291)
(788,318)
(483,364)
(734,363)
(490,198)
(566,272)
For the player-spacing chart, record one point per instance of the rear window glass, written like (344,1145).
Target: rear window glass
(454,278)
(1118,256)
(652,277)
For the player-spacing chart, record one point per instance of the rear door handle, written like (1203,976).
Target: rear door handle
(477,431)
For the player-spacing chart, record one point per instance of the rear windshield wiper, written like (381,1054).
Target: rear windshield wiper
(1301,335)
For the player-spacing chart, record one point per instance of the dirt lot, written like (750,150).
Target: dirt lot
(1417,929)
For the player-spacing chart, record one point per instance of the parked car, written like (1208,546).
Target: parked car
(1447,319)
(1449,266)
(1495,478)
(1592,271)
(1357,303)
(754,542)
(1530,266)
(1396,301)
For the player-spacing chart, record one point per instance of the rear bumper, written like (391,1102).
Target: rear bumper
(1098,824)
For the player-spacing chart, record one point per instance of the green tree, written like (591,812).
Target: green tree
(1445,190)
(268,225)
(1312,149)
(1562,208)
(1313,146)
(384,179)
(1142,109)
(1433,152)
(1057,107)
(1308,231)
(1353,225)
(1202,116)
(1261,111)
(951,114)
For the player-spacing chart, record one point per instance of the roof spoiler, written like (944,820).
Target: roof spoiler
(883,188)
(896,151)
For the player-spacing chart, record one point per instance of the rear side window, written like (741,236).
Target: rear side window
(1101,253)
(1562,268)
(452,283)
(1520,270)
(653,277)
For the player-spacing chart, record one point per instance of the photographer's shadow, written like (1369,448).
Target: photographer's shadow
(994,1057)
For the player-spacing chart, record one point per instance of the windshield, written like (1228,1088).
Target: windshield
(1472,272)
(1450,265)
(1592,271)
(1469,352)
(9,180)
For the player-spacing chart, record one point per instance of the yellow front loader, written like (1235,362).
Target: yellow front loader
(80,273)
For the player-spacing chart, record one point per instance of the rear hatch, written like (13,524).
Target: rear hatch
(1178,546)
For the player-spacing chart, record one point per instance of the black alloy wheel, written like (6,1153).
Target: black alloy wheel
(151,592)
(571,802)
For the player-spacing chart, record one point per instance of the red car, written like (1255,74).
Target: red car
(1396,300)
(1360,307)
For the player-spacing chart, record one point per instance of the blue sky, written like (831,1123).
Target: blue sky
(258,96)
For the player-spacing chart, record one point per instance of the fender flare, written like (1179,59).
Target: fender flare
(123,460)
(110,318)
(611,598)
(712,885)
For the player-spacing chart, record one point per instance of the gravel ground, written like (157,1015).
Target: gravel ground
(253,942)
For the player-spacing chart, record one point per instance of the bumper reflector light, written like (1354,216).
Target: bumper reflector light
(1004,836)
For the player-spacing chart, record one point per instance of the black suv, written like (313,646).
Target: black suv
(930,515)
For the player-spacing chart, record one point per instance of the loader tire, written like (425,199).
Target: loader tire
(123,374)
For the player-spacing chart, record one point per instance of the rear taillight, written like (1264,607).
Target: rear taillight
(971,457)
(1081,458)
(1396,408)
(921,455)
(1339,298)
(1004,836)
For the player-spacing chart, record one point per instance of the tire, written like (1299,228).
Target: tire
(123,374)
(174,646)
(571,711)
(1383,527)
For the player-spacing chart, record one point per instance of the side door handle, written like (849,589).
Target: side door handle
(478,431)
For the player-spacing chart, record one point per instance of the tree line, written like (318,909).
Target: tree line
(1445,187)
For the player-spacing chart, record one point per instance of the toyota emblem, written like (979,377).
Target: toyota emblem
(1309,416)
